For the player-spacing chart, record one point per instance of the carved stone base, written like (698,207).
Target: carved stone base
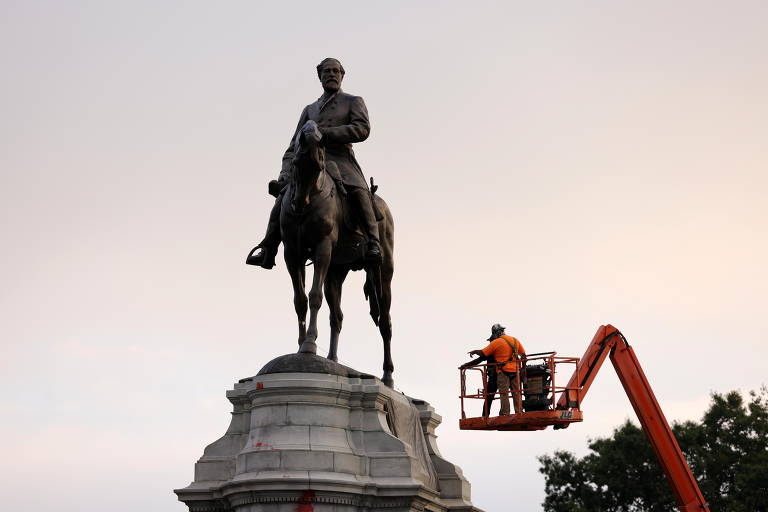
(339,441)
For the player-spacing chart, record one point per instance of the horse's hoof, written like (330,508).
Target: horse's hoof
(333,358)
(308,347)
(387,380)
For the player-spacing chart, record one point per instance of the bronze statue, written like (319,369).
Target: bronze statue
(342,120)
(326,213)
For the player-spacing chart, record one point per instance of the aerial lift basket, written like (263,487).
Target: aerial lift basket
(537,403)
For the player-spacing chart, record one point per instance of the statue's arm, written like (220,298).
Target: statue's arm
(357,130)
(285,170)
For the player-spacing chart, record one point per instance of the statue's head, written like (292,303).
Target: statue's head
(496,331)
(331,73)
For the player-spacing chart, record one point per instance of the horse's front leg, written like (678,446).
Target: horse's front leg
(296,270)
(322,262)
(333,285)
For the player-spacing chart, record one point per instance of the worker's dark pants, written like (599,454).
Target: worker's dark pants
(493,386)
(507,381)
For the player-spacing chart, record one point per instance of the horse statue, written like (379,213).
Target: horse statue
(316,226)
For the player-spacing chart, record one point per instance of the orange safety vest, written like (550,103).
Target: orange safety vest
(512,346)
(510,364)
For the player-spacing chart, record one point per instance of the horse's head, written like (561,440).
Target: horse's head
(308,163)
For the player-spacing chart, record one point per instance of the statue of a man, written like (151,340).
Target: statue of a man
(343,120)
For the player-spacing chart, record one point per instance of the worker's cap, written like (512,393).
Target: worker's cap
(496,329)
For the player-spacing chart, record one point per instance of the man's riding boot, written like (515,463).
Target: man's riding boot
(363,199)
(266,257)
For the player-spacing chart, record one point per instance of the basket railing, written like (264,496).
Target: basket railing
(533,388)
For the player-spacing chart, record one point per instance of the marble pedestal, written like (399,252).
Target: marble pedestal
(325,440)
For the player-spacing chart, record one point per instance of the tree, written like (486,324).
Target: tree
(727,451)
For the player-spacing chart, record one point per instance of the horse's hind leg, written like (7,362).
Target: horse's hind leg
(296,270)
(386,231)
(378,288)
(385,325)
(333,286)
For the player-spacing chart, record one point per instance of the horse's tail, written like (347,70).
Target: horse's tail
(372,291)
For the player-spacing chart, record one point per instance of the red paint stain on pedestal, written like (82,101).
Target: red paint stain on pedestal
(305,502)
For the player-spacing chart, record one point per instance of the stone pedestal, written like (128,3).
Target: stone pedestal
(328,440)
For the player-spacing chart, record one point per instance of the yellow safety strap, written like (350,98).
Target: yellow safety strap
(514,351)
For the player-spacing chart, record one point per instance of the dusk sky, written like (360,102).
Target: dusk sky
(551,166)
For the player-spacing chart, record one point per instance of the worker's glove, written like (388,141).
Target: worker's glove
(476,353)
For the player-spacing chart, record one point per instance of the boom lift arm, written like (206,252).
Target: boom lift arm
(607,340)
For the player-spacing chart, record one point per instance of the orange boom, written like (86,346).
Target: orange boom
(544,404)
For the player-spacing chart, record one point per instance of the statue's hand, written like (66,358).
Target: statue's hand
(312,130)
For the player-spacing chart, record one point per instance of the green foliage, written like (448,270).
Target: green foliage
(727,452)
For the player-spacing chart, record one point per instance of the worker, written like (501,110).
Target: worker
(505,350)
(492,385)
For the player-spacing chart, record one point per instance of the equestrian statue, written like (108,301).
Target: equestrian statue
(326,213)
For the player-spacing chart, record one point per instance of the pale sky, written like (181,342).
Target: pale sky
(550,166)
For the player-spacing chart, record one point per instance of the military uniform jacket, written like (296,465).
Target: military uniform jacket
(343,120)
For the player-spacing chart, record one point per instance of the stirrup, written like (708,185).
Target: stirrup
(262,259)
(250,257)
